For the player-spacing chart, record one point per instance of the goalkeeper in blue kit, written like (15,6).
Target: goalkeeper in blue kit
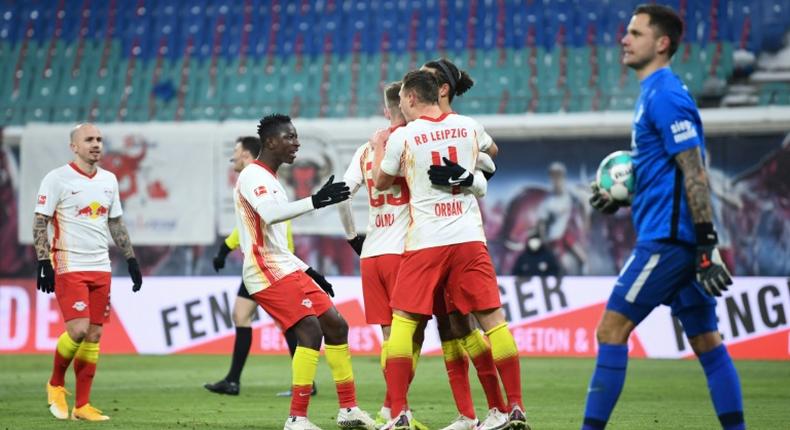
(675,261)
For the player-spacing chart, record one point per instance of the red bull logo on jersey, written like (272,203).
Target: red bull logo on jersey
(93,210)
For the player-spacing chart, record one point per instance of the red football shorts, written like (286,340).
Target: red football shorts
(465,271)
(292,298)
(84,295)
(379,275)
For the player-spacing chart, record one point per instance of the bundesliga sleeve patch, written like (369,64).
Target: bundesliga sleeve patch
(42,199)
(259,191)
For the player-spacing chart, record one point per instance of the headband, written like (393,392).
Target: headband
(450,77)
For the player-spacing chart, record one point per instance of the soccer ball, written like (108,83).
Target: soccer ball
(616,176)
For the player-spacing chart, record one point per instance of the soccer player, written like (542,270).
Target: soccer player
(276,280)
(460,339)
(381,248)
(81,202)
(245,151)
(675,261)
(445,243)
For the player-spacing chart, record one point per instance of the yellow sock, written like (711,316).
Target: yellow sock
(66,346)
(474,343)
(502,343)
(303,366)
(87,352)
(383,356)
(400,343)
(452,350)
(339,359)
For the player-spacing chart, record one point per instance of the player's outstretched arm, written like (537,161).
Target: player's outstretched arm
(712,273)
(120,235)
(45,276)
(272,211)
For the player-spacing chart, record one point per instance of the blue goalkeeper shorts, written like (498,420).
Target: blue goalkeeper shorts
(663,273)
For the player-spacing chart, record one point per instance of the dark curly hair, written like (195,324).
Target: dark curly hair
(269,124)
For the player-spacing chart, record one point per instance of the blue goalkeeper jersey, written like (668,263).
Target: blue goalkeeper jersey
(666,122)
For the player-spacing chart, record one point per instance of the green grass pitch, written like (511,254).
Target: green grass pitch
(165,392)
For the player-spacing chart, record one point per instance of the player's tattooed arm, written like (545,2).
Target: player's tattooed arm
(40,239)
(695,180)
(121,236)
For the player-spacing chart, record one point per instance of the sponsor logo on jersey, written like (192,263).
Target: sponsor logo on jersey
(79,306)
(93,210)
(683,131)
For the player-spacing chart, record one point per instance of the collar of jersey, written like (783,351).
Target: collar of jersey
(269,169)
(437,119)
(81,172)
(648,81)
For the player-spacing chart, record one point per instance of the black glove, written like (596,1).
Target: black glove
(602,202)
(331,193)
(711,271)
(45,279)
(451,174)
(356,243)
(321,281)
(134,272)
(219,259)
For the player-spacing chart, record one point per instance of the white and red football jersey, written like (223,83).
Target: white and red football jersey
(79,205)
(440,215)
(267,258)
(388,210)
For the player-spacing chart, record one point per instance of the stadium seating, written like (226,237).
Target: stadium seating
(218,59)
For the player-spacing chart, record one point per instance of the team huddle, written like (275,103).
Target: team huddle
(423,253)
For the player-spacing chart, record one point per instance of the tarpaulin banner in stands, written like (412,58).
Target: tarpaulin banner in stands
(176,180)
(165,176)
(548,318)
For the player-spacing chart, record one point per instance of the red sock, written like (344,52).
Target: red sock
(300,398)
(65,350)
(85,371)
(505,353)
(398,373)
(510,371)
(458,374)
(487,374)
(387,398)
(58,378)
(346,394)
